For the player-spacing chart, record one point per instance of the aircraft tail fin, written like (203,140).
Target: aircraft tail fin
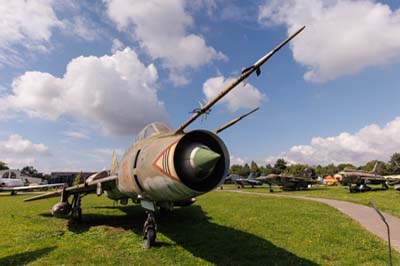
(377,168)
(114,164)
(251,176)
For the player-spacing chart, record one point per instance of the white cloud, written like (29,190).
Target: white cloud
(161,28)
(117,45)
(109,151)
(18,163)
(114,93)
(76,135)
(25,23)
(103,156)
(17,151)
(370,143)
(240,97)
(17,145)
(82,27)
(236,160)
(342,37)
(21,20)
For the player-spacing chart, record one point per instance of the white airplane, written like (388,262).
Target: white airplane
(13,180)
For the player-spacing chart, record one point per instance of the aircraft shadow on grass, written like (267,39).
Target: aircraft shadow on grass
(192,229)
(25,258)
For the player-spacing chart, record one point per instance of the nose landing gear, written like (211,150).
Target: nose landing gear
(149,231)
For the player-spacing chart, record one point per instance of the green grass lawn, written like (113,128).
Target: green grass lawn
(219,229)
(386,200)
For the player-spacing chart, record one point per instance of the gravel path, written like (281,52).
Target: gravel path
(366,216)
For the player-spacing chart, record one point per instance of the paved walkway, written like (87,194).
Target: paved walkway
(366,216)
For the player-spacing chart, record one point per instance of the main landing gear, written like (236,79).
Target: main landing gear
(149,230)
(76,208)
(270,188)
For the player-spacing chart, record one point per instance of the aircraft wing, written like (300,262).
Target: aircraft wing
(100,179)
(393,181)
(377,178)
(267,179)
(23,188)
(297,178)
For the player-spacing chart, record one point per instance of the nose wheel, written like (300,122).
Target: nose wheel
(149,231)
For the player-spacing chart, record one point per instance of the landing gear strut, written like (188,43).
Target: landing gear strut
(149,231)
(76,208)
(350,188)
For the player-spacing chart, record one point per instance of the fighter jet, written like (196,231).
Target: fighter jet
(362,178)
(162,168)
(241,182)
(287,182)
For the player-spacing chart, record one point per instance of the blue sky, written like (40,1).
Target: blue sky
(331,96)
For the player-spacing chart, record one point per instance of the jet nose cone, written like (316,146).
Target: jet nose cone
(203,160)
(198,162)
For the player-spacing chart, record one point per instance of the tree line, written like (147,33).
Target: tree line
(392,167)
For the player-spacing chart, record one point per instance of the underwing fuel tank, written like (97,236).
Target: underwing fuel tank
(174,167)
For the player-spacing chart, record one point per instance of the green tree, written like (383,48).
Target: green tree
(280,166)
(31,171)
(235,169)
(382,167)
(265,170)
(394,164)
(245,171)
(323,171)
(296,169)
(310,172)
(342,166)
(3,166)
(78,179)
(254,168)
(269,169)
(319,170)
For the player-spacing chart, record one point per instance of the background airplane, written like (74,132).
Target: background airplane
(13,181)
(361,179)
(287,182)
(162,168)
(242,182)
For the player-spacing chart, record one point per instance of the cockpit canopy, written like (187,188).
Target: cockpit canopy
(152,129)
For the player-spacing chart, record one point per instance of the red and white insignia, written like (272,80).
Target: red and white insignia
(165,161)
